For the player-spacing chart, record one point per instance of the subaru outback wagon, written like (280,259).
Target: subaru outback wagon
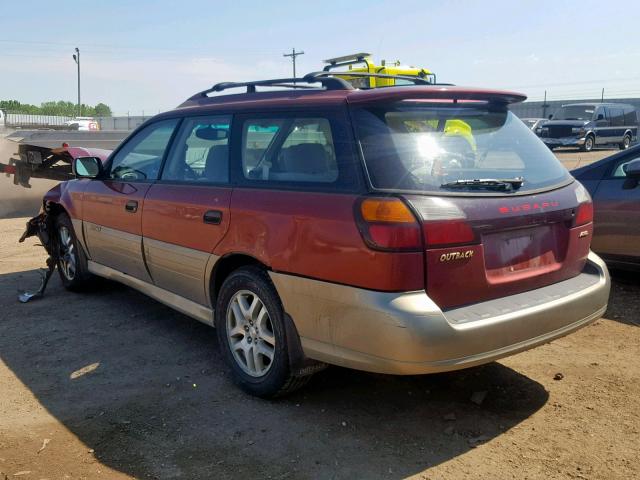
(331,225)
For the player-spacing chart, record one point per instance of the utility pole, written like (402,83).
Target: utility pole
(76,58)
(293,56)
(602,97)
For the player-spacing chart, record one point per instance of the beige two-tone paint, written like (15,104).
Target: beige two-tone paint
(178,269)
(119,250)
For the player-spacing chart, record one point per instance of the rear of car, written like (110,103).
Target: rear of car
(503,232)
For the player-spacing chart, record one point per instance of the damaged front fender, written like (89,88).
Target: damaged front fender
(42,227)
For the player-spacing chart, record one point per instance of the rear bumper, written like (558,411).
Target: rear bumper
(406,333)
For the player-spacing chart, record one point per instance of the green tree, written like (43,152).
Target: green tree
(61,108)
(102,110)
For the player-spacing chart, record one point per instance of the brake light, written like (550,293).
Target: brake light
(386,223)
(584,214)
(448,232)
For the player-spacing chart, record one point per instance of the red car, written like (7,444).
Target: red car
(332,225)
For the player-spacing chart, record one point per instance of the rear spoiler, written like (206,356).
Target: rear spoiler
(452,93)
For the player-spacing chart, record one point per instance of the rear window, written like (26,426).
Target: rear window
(420,147)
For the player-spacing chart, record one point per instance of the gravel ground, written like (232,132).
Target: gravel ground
(111,384)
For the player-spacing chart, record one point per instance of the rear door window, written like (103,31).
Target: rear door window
(630,117)
(617,117)
(289,150)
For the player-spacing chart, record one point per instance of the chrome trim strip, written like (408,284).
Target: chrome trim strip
(181,304)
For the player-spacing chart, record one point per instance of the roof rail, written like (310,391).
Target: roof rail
(329,83)
(329,80)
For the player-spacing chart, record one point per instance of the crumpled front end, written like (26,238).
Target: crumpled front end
(42,226)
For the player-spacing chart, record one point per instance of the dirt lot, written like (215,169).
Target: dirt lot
(111,384)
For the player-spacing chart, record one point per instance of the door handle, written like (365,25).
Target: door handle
(214,217)
(131,206)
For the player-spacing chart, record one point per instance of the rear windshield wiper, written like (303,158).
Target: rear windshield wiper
(501,184)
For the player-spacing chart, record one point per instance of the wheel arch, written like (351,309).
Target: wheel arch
(223,268)
(54,208)
(299,363)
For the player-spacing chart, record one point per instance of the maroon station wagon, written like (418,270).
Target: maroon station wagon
(401,230)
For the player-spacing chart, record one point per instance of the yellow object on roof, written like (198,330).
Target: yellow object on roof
(368,66)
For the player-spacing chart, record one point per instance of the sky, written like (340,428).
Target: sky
(148,56)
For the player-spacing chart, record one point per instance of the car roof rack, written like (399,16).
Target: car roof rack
(328,80)
(329,83)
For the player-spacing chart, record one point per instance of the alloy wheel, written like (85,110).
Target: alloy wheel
(250,333)
(67,261)
(588,144)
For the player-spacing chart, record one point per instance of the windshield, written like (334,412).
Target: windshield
(421,147)
(574,112)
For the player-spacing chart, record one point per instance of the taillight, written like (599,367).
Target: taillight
(387,223)
(448,232)
(584,214)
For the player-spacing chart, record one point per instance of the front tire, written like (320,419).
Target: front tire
(626,142)
(589,143)
(72,261)
(250,324)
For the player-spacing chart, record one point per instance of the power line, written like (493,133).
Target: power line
(293,56)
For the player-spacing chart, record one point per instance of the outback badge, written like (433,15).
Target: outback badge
(447,257)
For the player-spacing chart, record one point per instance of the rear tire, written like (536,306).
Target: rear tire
(589,143)
(250,324)
(626,142)
(72,261)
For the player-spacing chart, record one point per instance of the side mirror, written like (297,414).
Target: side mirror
(550,116)
(632,169)
(600,117)
(87,167)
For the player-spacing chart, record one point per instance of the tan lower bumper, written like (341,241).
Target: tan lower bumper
(406,333)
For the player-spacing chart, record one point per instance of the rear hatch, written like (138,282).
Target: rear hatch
(482,248)
(498,213)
